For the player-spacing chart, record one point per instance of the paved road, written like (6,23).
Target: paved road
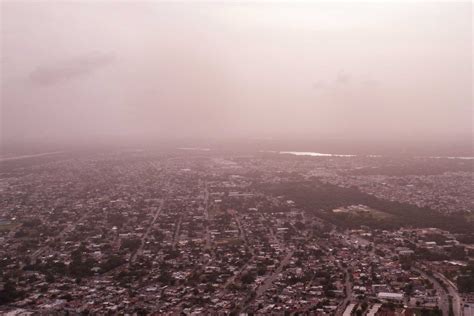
(347,299)
(443,301)
(269,280)
(231,280)
(145,235)
(453,291)
(272,277)
(177,231)
(61,238)
(243,236)
(206,214)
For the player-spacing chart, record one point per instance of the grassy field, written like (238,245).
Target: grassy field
(7,227)
(363,212)
(470,217)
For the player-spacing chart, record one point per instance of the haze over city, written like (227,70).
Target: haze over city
(236,158)
(86,70)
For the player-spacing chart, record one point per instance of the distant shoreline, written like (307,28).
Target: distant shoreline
(30,156)
(317,154)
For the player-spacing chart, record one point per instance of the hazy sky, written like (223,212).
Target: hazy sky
(87,69)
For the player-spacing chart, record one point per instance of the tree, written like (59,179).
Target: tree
(408,289)
(248,278)
(132,244)
(112,262)
(166,278)
(9,293)
(49,278)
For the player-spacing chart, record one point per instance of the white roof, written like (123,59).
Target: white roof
(348,310)
(397,296)
(374,309)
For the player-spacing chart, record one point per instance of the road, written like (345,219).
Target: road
(444,296)
(266,284)
(453,291)
(232,279)
(243,236)
(272,277)
(242,233)
(347,299)
(145,235)
(443,302)
(61,236)
(177,231)
(206,214)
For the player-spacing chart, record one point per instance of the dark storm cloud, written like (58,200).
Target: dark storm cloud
(70,69)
